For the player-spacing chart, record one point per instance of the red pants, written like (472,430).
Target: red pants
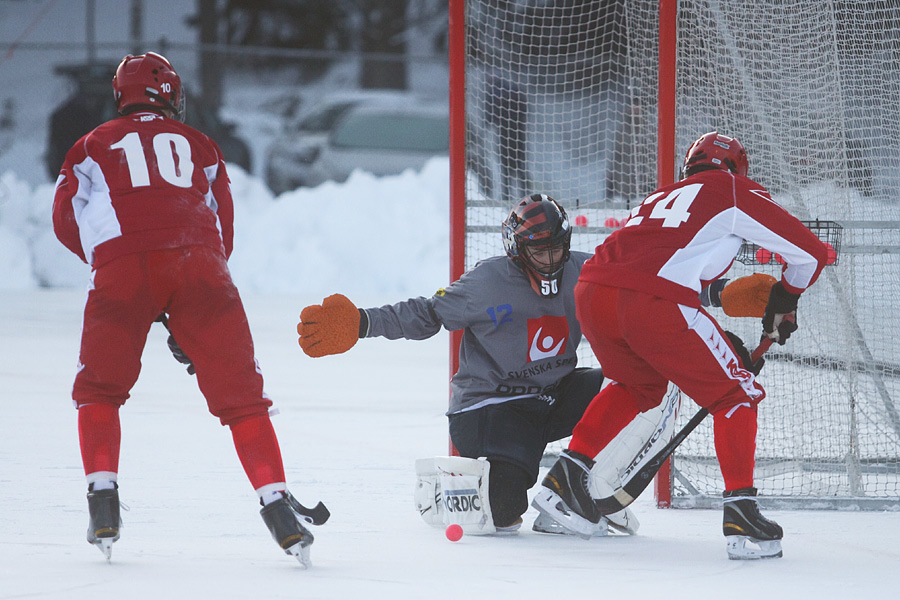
(206,317)
(642,343)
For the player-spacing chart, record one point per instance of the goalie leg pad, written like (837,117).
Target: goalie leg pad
(620,460)
(454,490)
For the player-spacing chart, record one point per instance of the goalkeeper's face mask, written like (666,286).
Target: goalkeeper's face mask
(536,236)
(543,264)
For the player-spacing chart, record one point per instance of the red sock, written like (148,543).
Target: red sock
(257,447)
(735,440)
(605,417)
(100,436)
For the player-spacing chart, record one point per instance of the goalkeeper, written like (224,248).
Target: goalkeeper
(518,386)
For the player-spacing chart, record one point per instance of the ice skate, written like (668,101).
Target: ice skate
(749,535)
(565,497)
(105,519)
(283,516)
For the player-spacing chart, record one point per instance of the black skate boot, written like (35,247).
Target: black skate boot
(743,523)
(565,497)
(283,516)
(105,519)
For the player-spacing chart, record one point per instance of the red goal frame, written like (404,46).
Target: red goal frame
(666,156)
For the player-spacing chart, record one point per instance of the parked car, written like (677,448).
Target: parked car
(382,136)
(289,156)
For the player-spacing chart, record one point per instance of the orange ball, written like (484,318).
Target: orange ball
(763,256)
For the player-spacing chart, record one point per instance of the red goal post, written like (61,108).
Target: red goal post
(595,101)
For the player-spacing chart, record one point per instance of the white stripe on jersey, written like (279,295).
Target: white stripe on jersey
(494,400)
(801,264)
(706,330)
(210,199)
(707,255)
(94,213)
(711,251)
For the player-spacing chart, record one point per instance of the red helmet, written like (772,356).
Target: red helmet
(148,80)
(536,236)
(715,151)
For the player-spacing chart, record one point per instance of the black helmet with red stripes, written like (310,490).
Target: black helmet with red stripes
(536,236)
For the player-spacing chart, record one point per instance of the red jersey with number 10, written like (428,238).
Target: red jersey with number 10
(687,234)
(142,182)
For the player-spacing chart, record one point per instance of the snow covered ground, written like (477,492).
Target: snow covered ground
(351,427)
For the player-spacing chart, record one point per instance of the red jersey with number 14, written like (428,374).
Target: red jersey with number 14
(687,234)
(142,182)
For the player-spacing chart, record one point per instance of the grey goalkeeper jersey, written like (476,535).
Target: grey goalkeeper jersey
(515,343)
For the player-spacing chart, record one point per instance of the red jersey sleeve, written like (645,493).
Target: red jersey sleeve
(763,222)
(65,225)
(220,189)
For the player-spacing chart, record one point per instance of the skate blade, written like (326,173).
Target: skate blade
(624,521)
(104,545)
(741,547)
(549,503)
(301,553)
(544,523)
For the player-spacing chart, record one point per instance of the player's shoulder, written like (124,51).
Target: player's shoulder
(108,129)
(725,186)
(751,184)
(151,121)
(202,140)
(186,129)
(155,124)
(724,177)
(492,270)
(491,262)
(747,189)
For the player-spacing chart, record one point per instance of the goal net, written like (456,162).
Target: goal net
(563,98)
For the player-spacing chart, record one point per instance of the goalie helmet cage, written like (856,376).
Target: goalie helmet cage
(594,102)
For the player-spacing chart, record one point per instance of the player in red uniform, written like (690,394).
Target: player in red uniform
(145,200)
(637,302)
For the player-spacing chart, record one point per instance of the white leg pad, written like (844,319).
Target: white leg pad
(637,443)
(453,489)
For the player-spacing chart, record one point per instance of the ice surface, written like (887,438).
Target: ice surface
(351,427)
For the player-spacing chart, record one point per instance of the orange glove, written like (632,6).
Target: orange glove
(331,328)
(747,296)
